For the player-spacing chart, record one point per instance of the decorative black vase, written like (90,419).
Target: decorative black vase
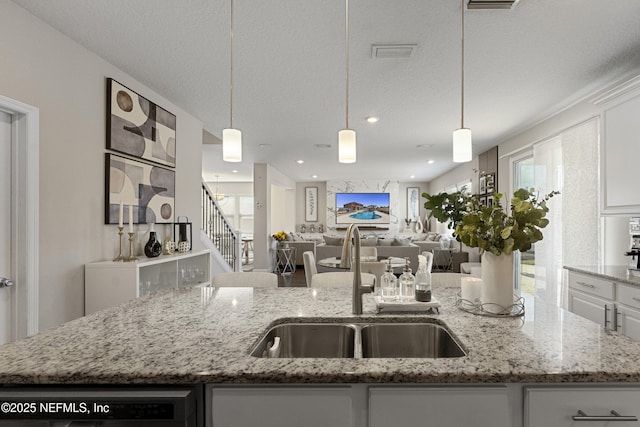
(153,248)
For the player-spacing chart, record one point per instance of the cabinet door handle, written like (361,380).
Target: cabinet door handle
(587,285)
(613,417)
(618,319)
(606,320)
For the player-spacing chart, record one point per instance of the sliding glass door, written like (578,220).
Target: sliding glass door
(523,177)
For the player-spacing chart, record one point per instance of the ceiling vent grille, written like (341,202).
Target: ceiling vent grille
(380,51)
(491,4)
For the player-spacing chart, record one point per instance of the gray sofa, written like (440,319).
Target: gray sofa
(409,250)
(301,247)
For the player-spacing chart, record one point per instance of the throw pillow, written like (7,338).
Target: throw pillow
(333,241)
(418,237)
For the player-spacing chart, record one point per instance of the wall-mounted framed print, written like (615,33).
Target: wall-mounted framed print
(138,127)
(489,201)
(413,203)
(148,189)
(491,179)
(482,200)
(311,204)
(482,185)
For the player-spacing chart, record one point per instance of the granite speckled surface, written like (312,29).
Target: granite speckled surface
(204,336)
(619,273)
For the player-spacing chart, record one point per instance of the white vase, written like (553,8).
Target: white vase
(497,282)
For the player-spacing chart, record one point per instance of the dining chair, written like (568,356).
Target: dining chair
(376,268)
(369,253)
(255,279)
(310,268)
(340,279)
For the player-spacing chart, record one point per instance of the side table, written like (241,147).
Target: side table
(285,260)
(443,258)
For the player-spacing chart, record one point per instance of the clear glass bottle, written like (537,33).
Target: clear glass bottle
(407,283)
(423,281)
(389,285)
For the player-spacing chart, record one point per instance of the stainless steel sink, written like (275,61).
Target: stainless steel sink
(408,340)
(307,340)
(358,340)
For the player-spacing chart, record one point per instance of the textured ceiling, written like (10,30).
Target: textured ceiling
(289,72)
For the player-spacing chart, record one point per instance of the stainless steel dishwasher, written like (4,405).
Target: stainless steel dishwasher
(101,406)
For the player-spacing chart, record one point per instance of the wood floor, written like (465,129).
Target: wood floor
(296,279)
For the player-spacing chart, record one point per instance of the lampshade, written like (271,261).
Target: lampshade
(347,146)
(231,145)
(462,151)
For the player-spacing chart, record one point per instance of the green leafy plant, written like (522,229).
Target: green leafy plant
(491,228)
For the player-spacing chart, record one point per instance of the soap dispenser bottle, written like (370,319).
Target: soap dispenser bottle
(423,281)
(407,283)
(389,285)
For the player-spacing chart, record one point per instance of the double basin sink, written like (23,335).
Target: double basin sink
(358,340)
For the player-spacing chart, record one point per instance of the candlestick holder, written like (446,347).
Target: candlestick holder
(120,257)
(132,257)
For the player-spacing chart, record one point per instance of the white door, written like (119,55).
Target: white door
(6,315)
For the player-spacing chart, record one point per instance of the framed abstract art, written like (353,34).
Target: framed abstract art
(138,127)
(147,189)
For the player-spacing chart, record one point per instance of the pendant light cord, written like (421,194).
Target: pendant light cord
(346,42)
(231,69)
(462,65)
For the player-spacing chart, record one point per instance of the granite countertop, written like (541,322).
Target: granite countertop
(191,336)
(620,273)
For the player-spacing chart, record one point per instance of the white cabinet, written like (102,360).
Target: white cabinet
(439,406)
(557,406)
(628,311)
(592,298)
(620,147)
(312,406)
(109,283)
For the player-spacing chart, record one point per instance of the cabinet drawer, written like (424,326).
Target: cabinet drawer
(439,406)
(556,406)
(593,285)
(629,295)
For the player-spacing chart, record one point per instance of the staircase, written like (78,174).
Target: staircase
(218,232)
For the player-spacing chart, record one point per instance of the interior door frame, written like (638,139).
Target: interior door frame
(25,175)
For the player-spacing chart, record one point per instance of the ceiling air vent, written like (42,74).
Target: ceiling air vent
(491,4)
(392,50)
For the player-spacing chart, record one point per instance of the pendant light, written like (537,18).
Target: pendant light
(347,137)
(231,138)
(462,151)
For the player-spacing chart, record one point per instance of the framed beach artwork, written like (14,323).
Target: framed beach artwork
(138,127)
(413,203)
(149,190)
(311,204)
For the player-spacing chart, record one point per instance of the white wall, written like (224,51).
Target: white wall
(322,204)
(44,68)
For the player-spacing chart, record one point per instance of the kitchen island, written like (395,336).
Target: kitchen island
(204,336)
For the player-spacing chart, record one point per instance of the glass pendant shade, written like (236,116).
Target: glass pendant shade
(462,151)
(347,146)
(231,145)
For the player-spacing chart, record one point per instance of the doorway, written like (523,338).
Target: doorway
(19,183)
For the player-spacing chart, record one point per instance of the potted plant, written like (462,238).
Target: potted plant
(496,232)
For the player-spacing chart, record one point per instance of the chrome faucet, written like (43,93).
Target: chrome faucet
(345,262)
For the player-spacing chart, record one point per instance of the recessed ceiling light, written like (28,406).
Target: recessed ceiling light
(412,176)
(431,161)
(264,145)
(314,176)
(299,162)
(372,119)
(235,171)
